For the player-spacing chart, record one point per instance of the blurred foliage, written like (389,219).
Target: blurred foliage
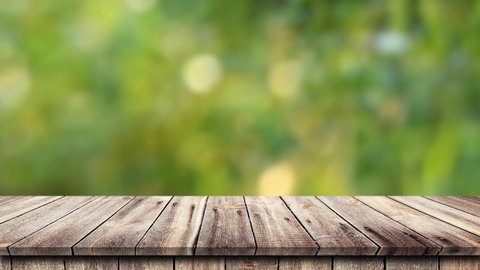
(239,97)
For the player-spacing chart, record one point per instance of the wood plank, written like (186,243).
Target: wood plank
(464,263)
(226,228)
(21,206)
(91,263)
(450,215)
(146,263)
(9,199)
(454,241)
(305,263)
(411,263)
(251,263)
(360,263)
(331,232)
(58,238)
(5,263)
(276,230)
(20,227)
(121,233)
(393,238)
(37,263)
(461,203)
(175,232)
(199,263)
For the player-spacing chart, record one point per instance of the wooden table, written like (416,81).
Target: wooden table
(165,232)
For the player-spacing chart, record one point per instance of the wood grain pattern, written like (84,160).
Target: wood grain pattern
(9,199)
(332,233)
(176,230)
(5,263)
(226,228)
(305,263)
(37,263)
(276,229)
(18,207)
(393,238)
(461,203)
(463,263)
(58,238)
(146,263)
(463,220)
(91,263)
(411,263)
(199,263)
(247,263)
(452,239)
(358,263)
(18,228)
(120,234)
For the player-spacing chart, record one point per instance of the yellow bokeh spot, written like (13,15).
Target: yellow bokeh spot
(278,179)
(202,72)
(285,77)
(14,85)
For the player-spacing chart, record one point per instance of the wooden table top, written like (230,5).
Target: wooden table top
(230,226)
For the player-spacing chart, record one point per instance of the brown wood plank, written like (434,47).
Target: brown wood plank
(176,230)
(226,228)
(18,228)
(454,241)
(450,215)
(5,263)
(463,263)
(59,237)
(305,263)
(360,263)
(91,263)
(146,263)
(247,263)
(121,233)
(461,203)
(276,230)
(393,238)
(18,207)
(37,263)
(332,233)
(411,263)
(199,263)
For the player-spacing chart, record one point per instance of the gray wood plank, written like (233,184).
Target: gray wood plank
(146,263)
(276,230)
(37,263)
(331,232)
(454,241)
(175,232)
(9,199)
(226,228)
(411,263)
(91,263)
(121,233)
(18,207)
(393,238)
(450,215)
(5,263)
(305,263)
(461,203)
(20,227)
(58,238)
(251,263)
(358,263)
(463,263)
(199,263)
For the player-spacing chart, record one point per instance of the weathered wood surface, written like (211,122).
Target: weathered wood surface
(454,241)
(276,230)
(392,237)
(120,234)
(239,226)
(236,262)
(226,228)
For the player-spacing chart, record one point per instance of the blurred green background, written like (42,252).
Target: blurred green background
(239,97)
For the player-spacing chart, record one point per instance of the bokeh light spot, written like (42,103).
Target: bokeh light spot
(202,72)
(278,179)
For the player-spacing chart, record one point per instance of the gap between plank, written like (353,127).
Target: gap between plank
(32,209)
(251,226)
(442,203)
(200,227)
